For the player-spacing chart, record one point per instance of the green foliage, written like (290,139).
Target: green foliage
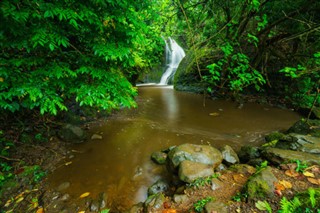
(105,211)
(263,206)
(302,202)
(301,166)
(199,182)
(199,205)
(56,52)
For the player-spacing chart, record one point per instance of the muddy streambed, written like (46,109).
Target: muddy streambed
(119,164)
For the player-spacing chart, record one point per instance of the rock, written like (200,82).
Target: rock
(278,156)
(216,184)
(65,197)
(221,168)
(180,198)
(274,136)
(243,169)
(302,143)
(94,206)
(216,206)
(189,171)
(302,127)
(72,134)
(229,155)
(102,199)
(160,186)
(63,186)
(159,157)
(247,153)
(204,154)
(138,208)
(261,185)
(96,137)
(154,203)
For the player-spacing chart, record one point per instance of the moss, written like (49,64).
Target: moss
(274,136)
(257,189)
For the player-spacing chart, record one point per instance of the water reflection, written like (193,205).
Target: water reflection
(120,164)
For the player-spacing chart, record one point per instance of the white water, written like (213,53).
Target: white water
(174,55)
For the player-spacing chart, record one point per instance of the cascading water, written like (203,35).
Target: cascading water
(174,55)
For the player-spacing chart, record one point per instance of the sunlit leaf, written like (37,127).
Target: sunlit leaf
(308,174)
(286,184)
(169,211)
(292,173)
(314,181)
(86,194)
(40,210)
(19,199)
(68,163)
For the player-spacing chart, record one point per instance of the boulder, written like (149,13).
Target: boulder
(189,171)
(278,156)
(312,127)
(229,155)
(72,134)
(261,184)
(204,154)
(274,136)
(158,187)
(159,157)
(304,143)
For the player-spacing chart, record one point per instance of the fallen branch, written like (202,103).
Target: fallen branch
(9,159)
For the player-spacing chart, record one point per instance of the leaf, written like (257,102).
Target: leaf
(214,114)
(169,211)
(286,184)
(314,181)
(263,206)
(68,163)
(308,174)
(292,173)
(1,79)
(279,187)
(19,199)
(40,210)
(86,194)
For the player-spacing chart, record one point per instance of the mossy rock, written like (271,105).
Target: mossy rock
(312,127)
(261,184)
(274,136)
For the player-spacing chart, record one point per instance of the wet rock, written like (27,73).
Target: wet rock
(204,154)
(306,128)
(72,134)
(94,206)
(304,143)
(278,156)
(229,155)
(261,185)
(180,198)
(159,157)
(63,186)
(160,186)
(96,137)
(220,168)
(65,197)
(247,153)
(189,171)
(102,199)
(274,136)
(154,203)
(216,206)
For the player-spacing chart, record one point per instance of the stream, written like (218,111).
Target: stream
(119,164)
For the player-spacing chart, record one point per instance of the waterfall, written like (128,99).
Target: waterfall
(174,55)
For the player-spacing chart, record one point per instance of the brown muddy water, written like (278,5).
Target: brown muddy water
(120,164)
